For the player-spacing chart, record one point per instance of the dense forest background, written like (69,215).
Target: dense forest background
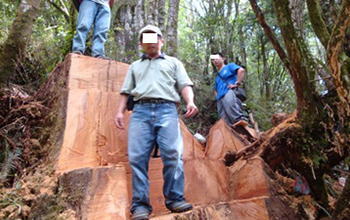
(193,30)
(295,53)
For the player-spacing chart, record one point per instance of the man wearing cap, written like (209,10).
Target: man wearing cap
(156,82)
(97,12)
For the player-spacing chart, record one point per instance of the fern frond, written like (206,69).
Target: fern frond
(9,163)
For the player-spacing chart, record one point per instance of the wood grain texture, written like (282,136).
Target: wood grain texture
(93,166)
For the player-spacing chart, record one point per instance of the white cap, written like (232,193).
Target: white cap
(151,28)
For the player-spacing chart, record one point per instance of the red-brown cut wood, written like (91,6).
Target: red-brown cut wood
(93,161)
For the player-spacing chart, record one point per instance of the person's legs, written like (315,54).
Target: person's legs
(222,111)
(140,145)
(87,12)
(101,28)
(170,143)
(230,108)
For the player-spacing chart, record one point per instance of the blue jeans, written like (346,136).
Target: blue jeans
(99,15)
(150,123)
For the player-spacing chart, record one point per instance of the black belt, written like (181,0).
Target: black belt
(144,101)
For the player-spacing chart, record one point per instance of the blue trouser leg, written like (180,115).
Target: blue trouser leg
(140,145)
(86,17)
(170,143)
(101,28)
(150,123)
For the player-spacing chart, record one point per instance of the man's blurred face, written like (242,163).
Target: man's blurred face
(151,43)
(218,60)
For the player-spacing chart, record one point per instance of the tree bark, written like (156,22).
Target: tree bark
(127,23)
(171,39)
(340,76)
(319,26)
(19,37)
(139,16)
(266,73)
(152,13)
(329,13)
(241,42)
(317,21)
(297,7)
(130,18)
(161,15)
(300,63)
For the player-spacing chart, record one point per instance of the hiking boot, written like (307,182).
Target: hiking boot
(78,52)
(140,214)
(179,206)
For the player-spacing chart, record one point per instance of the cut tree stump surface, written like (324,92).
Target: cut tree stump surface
(93,162)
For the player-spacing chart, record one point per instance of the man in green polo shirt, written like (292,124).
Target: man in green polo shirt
(156,82)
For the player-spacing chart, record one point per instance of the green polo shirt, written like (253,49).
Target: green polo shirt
(163,77)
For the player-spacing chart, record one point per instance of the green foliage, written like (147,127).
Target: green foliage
(8,160)
(8,12)
(203,30)
(52,34)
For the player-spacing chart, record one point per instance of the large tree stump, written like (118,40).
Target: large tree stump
(93,160)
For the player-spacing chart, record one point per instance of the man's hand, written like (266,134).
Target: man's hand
(231,86)
(192,110)
(119,116)
(187,94)
(119,120)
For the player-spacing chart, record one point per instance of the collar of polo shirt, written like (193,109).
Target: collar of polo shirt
(144,56)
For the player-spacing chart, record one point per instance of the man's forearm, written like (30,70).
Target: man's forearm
(187,94)
(240,75)
(122,103)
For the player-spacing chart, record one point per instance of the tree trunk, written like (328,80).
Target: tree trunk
(128,21)
(336,60)
(171,39)
(302,140)
(329,13)
(130,18)
(139,16)
(317,21)
(323,35)
(241,42)
(152,13)
(19,37)
(299,61)
(161,15)
(266,73)
(297,7)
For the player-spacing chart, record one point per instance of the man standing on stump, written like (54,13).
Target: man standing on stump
(156,82)
(97,13)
